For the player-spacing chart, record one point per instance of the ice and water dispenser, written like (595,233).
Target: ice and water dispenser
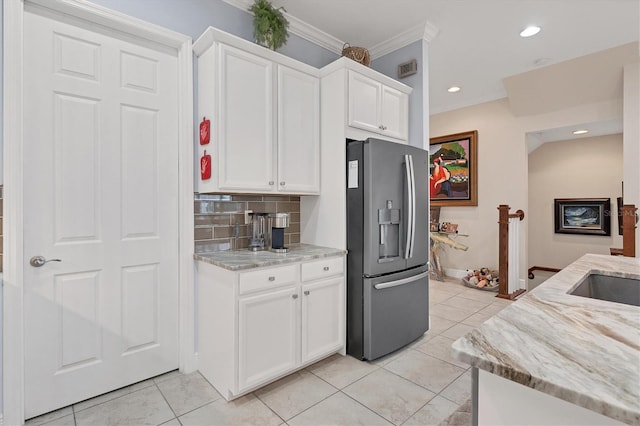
(389,241)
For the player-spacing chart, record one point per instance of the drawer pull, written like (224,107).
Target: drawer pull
(294,296)
(306,292)
(326,268)
(272,278)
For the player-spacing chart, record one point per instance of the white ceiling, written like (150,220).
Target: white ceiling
(474,44)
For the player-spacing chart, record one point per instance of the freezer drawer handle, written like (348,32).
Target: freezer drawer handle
(400,282)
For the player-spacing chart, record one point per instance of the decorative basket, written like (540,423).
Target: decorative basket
(358,54)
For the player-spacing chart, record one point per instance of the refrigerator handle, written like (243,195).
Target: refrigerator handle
(401,282)
(409,208)
(413,206)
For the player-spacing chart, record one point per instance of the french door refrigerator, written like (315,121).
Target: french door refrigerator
(388,246)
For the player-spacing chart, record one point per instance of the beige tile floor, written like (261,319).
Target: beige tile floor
(421,384)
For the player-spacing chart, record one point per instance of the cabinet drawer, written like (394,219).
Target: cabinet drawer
(322,268)
(267,278)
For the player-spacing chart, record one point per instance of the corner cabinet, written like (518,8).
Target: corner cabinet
(259,325)
(264,113)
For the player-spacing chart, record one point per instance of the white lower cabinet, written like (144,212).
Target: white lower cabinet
(257,326)
(267,336)
(322,318)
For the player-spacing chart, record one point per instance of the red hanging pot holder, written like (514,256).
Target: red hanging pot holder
(205,166)
(205,131)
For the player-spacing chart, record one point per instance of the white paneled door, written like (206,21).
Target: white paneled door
(100,194)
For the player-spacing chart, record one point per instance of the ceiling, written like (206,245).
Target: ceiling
(473,44)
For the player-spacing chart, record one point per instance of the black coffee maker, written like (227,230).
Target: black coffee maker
(278,223)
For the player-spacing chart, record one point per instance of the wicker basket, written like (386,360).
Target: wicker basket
(493,285)
(358,54)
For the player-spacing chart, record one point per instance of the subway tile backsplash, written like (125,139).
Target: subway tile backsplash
(217,215)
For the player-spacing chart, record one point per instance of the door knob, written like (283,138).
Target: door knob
(38,261)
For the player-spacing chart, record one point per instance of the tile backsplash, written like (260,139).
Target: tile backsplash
(217,215)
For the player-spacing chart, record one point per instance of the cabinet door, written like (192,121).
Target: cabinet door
(323,318)
(364,100)
(298,131)
(268,342)
(394,113)
(246,121)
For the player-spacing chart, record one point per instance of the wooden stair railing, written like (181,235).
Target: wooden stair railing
(503,252)
(540,268)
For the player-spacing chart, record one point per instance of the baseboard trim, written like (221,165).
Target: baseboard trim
(455,273)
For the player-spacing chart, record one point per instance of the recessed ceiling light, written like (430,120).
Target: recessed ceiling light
(580,132)
(530,31)
(453,89)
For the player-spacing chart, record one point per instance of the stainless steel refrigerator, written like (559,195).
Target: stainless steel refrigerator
(388,246)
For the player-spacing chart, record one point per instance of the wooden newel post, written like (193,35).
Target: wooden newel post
(503,250)
(629,230)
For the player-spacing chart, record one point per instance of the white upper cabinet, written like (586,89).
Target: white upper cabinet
(245,121)
(376,107)
(264,112)
(298,131)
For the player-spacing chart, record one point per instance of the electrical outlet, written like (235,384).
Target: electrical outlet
(246,216)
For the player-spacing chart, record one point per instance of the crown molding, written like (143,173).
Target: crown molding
(426,31)
(314,35)
(300,28)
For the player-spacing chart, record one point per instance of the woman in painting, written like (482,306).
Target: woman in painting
(439,180)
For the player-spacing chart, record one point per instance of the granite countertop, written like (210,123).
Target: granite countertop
(238,260)
(582,350)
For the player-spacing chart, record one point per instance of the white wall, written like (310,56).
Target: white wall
(581,168)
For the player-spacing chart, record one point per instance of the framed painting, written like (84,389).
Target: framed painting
(453,166)
(588,216)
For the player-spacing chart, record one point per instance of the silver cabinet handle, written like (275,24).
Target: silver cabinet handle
(306,292)
(326,268)
(282,183)
(294,296)
(271,182)
(38,261)
(272,278)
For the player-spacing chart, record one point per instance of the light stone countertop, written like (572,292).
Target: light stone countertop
(582,350)
(239,260)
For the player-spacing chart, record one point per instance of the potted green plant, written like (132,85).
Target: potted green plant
(269,24)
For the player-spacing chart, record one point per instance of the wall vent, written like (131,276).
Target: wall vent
(408,68)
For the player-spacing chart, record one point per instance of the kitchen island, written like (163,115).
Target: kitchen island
(557,358)
(263,315)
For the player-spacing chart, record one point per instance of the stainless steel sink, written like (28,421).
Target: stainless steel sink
(610,288)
